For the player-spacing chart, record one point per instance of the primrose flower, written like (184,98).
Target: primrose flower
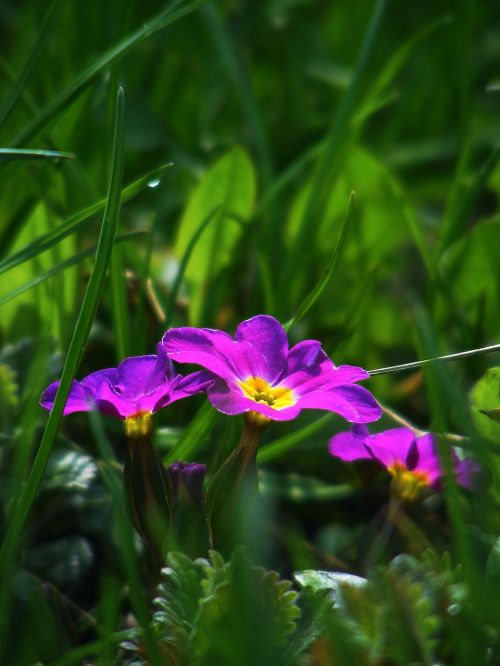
(413,462)
(257,374)
(137,388)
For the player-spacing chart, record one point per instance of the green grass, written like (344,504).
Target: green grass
(334,165)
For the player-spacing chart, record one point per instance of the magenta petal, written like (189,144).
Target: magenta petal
(268,339)
(183,387)
(354,403)
(214,350)
(350,446)
(306,354)
(468,473)
(80,398)
(323,377)
(391,446)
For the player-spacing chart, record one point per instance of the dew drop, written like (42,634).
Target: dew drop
(154,183)
(454,609)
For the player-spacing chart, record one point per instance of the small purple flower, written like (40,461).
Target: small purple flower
(187,480)
(137,388)
(259,375)
(413,462)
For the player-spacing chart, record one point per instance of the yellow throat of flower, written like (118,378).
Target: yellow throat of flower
(138,425)
(407,484)
(257,389)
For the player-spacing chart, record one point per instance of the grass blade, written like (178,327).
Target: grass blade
(76,222)
(116,53)
(316,292)
(22,79)
(80,336)
(9,154)
(330,155)
(183,265)
(194,436)
(64,265)
(427,361)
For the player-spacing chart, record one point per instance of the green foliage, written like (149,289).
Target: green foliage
(228,187)
(211,611)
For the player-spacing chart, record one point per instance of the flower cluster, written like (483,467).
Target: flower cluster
(257,374)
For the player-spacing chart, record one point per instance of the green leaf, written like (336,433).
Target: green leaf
(299,488)
(228,185)
(485,396)
(62,562)
(328,580)
(492,584)
(69,470)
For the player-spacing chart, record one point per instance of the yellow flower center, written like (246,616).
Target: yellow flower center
(257,389)
(138,425)
(407,484)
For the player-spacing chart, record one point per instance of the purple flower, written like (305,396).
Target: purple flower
(259,375)
(187,480)
(413,462)
(137,388)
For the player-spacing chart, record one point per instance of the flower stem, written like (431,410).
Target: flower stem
(234,484)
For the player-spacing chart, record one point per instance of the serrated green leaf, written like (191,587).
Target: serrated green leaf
(69,470)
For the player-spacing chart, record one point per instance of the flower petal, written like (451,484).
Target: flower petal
(354,403)
(80,398)
(268,338)
(391,446)
(181,387)
(350,445)
(214,350)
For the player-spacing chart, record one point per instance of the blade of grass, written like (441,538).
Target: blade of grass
(20,83)
(75,259)
(427,361)
(241,83)
(119,307)
(194,436)
(335,140)
(280,446)
(9,154)
(164,18)
(455,223)
(316,292)
(184,263)
(88,310)
(76,222)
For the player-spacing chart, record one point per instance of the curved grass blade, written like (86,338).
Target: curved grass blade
(336,139)
(20,83)
(183,265)
(75,259)
(282,445)
(76,222)
(194,436)
(455,222)
(316,292)
(426,361)
(116,53)
(9,154)
(81,333)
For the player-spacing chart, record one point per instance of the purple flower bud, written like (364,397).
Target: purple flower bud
(187,481)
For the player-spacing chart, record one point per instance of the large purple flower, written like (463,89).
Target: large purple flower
(139,386)
(412,461)
(259,375)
